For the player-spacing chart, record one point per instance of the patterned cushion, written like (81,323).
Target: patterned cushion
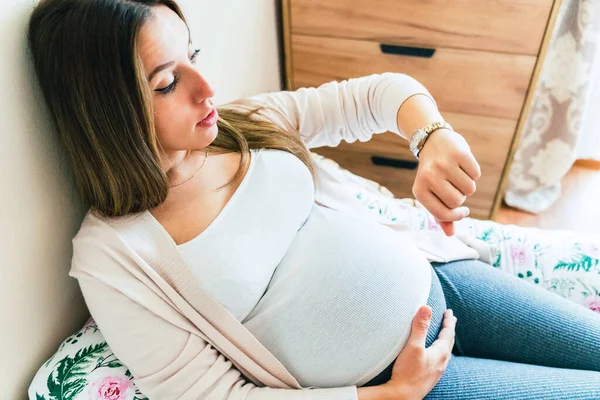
(84,368)
(563,262)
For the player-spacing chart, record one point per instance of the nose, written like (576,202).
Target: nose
(201,89)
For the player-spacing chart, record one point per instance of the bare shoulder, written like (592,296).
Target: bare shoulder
(190,209)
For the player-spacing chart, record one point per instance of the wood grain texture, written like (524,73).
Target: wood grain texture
(286,40)
(489,139)
(510,26)
(462,81)
(527,105)
(491,50)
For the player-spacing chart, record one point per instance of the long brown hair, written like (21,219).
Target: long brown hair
(87,61)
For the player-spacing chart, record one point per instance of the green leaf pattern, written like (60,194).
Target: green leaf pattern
(562,262)
(86,369)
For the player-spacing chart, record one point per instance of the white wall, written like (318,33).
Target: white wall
(39,212)
(239,43)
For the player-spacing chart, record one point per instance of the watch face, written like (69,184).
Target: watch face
(417,139)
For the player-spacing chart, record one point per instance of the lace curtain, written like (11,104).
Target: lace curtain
(564,121)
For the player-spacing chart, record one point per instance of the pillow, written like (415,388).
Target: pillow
(563,262)
(84,368)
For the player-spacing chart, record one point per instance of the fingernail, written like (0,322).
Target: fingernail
(425,312)
(466,213)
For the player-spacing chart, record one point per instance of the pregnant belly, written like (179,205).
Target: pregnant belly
(339,306)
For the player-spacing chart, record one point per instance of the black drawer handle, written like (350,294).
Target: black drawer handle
(394,162)
(407,51)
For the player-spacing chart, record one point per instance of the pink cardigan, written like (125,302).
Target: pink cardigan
(177,340)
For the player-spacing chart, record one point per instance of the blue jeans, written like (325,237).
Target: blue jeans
(513,340)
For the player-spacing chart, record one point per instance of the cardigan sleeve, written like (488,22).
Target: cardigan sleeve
(170,362)
(349,110)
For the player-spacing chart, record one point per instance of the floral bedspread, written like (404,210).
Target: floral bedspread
(563,262)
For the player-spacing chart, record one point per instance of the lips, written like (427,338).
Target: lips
(209,120)
(207,115)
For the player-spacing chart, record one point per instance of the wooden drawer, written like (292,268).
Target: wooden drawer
(463,81)
(511,26)
(489,138)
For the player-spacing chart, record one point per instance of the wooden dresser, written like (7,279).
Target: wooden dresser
(478,58)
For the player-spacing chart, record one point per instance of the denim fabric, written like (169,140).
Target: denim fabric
(515,340)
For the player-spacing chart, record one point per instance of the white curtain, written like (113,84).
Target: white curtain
(564,121)
(588,145)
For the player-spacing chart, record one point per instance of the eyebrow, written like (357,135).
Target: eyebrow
(170,63)
(160,68)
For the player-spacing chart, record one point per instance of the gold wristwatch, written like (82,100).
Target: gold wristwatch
(420,136)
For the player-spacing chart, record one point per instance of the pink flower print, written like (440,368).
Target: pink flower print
(112,388)
(518,254)
(594,304)
(432,225)
(521,255)
(89,325)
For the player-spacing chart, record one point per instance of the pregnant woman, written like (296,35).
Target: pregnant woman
(216,263)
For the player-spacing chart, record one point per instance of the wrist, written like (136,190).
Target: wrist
(379,392)
(415,113)
(438,142)
(383,392)
(421,136)
(398,392)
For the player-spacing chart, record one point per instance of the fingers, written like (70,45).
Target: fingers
(461,181)
(439,210)
(454,189)
(445,341)
(447,227)
(448,194)
(448,326)
(471,167)
(445,180)
(420,326)
(449,319)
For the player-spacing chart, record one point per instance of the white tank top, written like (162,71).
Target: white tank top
(331,295)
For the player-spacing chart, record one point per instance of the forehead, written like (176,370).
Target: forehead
(160,35)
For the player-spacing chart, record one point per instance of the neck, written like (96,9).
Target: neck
(174,159)
(185,168)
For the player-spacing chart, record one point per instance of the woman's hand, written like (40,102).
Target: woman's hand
(418,369)
(445,177)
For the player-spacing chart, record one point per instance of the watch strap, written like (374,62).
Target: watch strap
(421,135)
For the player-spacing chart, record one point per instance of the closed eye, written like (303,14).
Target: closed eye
(168,89)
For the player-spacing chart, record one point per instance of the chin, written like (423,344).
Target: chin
(209,135)
(213,132)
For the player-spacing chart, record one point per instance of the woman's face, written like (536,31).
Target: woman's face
(184,112)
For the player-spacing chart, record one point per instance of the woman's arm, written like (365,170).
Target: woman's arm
(170,359)
(349,110)
(381,392)
(355,109)
(417,112)
(168,362)
(447,169)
